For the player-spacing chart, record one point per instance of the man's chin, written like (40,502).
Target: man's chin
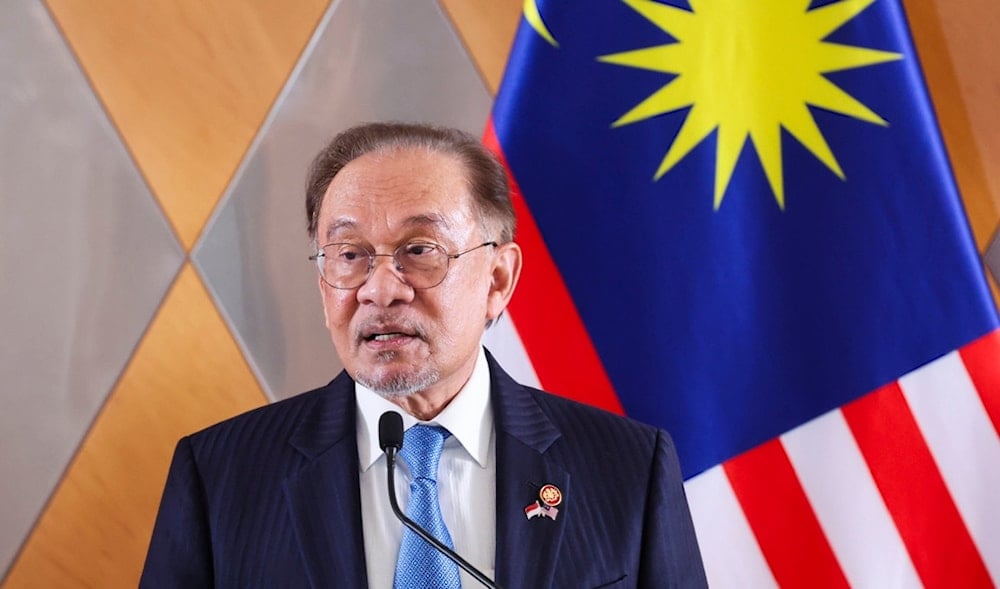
(393,384)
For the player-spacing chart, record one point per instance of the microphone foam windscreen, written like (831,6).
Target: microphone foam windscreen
(390,430)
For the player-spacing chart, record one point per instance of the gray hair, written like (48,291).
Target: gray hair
(485,175)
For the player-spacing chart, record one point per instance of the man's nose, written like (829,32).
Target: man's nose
(386,283)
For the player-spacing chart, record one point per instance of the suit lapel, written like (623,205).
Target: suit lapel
(324,497)
(325,502)
(527,550)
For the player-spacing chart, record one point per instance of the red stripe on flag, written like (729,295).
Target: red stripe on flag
(982,360)
(914,491)
(546,318)
(782,519)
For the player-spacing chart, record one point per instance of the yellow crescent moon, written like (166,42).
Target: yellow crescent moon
(534,19)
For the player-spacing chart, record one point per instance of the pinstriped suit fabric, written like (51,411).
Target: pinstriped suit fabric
(624,516)
(270,498)
(218,522)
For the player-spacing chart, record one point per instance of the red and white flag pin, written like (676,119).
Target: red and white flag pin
(545,506)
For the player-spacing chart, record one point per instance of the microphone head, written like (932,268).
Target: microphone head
(390,431)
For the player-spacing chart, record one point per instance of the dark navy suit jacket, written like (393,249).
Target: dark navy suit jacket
(271,499)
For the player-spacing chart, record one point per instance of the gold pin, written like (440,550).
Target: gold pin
(550,495)
(545,506)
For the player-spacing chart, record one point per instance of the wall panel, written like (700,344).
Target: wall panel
(185,375)
(188,84)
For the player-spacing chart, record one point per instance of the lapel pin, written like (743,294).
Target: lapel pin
(545,506)
(550,495)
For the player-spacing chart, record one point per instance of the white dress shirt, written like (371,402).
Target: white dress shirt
(466,479)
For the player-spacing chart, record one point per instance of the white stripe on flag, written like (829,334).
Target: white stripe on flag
(730,550)
(964,445)
(847,503)
(503,341)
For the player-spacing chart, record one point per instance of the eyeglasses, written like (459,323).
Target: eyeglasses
(421,265)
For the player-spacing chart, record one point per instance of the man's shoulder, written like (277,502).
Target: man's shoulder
(603,448)
(274,421)
(582,416)
(572,418)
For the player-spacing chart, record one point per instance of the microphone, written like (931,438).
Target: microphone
(390,439)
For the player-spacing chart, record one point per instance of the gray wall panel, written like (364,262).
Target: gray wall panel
(992,256)
(85,258)
(368,61)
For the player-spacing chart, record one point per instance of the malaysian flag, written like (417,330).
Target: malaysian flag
(740,225)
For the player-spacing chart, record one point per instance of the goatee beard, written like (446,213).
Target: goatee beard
(399,384)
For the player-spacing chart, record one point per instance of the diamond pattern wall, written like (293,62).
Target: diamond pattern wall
(187,373)
(188,83)
(85,254)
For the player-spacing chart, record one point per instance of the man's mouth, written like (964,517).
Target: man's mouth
(378,332)
(385,337)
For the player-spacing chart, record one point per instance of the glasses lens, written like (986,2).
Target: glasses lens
(345,265)
(423,264)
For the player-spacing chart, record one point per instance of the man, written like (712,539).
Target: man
(413,228)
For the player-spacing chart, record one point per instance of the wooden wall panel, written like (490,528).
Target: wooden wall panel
(188,84)
(487,29)
(954,44)
(186,374)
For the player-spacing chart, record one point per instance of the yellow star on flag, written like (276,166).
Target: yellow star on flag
(749,68)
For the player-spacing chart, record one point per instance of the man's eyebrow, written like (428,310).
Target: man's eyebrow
(416,221)
(339,226)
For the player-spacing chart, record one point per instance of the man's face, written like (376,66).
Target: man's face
(392,338)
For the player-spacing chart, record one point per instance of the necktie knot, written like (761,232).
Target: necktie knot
(422,445)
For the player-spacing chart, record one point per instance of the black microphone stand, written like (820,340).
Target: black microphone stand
(391,440)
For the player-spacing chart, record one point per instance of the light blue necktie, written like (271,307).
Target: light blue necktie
(420,565)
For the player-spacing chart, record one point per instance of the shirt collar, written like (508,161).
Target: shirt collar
(469,417)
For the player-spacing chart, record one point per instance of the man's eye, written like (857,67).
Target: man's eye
(351,254)
(419,249)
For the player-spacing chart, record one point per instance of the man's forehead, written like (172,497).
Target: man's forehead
(399,191)
(424,221)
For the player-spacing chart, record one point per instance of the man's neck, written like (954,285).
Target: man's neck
(428,404)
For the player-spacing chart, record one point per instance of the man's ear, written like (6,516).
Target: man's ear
(505,273)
